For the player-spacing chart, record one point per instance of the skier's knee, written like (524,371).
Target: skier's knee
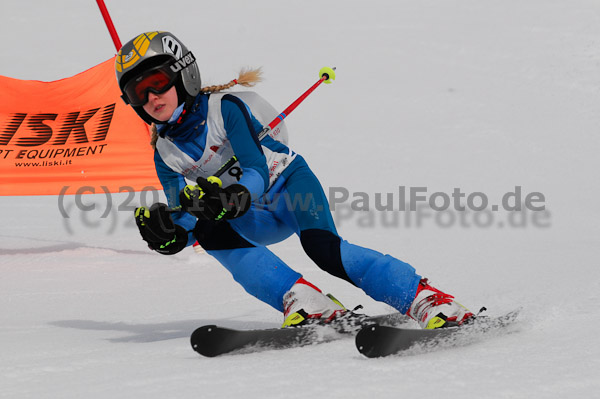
(323,247)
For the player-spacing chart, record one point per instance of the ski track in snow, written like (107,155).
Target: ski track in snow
(483,96)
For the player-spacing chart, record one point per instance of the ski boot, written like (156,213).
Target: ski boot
(304,303)
(432,308)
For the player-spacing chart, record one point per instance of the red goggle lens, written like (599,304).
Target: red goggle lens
(156,81)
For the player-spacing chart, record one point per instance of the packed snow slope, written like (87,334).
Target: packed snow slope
(480,96)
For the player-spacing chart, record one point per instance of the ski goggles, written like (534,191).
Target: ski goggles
(156,80)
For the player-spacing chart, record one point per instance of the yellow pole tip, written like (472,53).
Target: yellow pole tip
(330,72)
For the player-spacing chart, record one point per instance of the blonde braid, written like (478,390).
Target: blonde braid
(247,78)
(154,136)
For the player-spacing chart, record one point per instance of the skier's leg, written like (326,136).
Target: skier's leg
(382,277)
(260,272)
(386,279)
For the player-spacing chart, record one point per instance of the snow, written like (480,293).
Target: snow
(477,95)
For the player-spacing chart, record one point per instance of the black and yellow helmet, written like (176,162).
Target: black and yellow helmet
(161,55)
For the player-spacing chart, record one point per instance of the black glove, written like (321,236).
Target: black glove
(208,200)
(159,231)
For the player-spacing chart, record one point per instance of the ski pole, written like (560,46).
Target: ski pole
(326,74)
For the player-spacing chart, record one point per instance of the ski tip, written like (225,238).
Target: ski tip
(201,341)
(364,339)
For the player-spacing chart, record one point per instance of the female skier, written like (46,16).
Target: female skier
(258,200)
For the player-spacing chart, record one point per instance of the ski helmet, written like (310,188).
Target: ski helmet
(163,56)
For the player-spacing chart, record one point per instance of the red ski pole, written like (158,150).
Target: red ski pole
(109,24)
(326,75)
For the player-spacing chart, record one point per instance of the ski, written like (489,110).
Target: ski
(378,340)
(213,340)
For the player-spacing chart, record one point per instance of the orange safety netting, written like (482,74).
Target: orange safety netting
(57,137)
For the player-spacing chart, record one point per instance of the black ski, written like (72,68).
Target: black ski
(212,340)
(377,340)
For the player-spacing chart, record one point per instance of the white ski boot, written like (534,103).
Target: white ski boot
(432,308)
(304,303)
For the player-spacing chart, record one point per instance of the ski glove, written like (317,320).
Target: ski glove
(208,200)
(159,231)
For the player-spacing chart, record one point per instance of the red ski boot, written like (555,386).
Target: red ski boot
(304,303)
(432,308)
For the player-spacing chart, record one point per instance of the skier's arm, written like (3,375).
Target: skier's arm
(242,131)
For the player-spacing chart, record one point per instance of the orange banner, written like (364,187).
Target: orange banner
(56,137)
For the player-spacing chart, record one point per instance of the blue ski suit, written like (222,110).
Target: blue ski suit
(287,199)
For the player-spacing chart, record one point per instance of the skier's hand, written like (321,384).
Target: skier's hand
(208,200)
(159,231)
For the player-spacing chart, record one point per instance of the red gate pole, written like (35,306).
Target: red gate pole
(109,24)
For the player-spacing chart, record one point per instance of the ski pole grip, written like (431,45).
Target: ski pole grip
(328,74)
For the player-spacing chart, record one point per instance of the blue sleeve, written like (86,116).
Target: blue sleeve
(173,183)
(242,131)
